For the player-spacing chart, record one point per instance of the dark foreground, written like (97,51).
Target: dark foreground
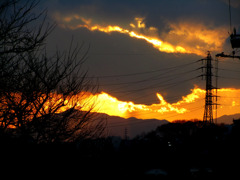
(179,150)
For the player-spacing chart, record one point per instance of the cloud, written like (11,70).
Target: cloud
(181,37)
(126,37)
(196,37)
(189,107)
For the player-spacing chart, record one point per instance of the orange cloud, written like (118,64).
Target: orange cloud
(190,106)
(183,37)
(197,37)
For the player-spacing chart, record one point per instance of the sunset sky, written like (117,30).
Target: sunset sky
(145,53)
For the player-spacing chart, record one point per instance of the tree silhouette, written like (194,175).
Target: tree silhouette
(39,94)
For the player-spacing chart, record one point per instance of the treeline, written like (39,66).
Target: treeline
(187,150)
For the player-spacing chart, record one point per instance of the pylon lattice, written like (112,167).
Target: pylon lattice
(208,110)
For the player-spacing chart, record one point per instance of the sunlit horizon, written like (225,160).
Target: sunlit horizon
(189,107)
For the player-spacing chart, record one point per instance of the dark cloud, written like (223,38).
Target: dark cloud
(156,11)
(119,54)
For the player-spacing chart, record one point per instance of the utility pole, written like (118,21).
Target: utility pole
(208,109)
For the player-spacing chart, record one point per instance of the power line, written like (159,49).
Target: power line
(162,86)
(166,79)
(152,78)
(140,97)
(168,85)
(227,77)
(230,70)
(144,72)
(165,83)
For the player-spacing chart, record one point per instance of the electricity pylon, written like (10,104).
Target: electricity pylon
(208,109)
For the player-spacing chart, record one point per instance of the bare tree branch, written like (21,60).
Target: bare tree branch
(39,94)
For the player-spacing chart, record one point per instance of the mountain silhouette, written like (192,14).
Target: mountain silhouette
(131,127)
(228,119)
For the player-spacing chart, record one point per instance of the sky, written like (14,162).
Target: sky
(146,54)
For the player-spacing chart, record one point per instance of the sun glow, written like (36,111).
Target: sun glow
(188,107)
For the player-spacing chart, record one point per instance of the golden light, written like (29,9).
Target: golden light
(156,42)
(182,37)
(137,29)
(189,107)
(197,37)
